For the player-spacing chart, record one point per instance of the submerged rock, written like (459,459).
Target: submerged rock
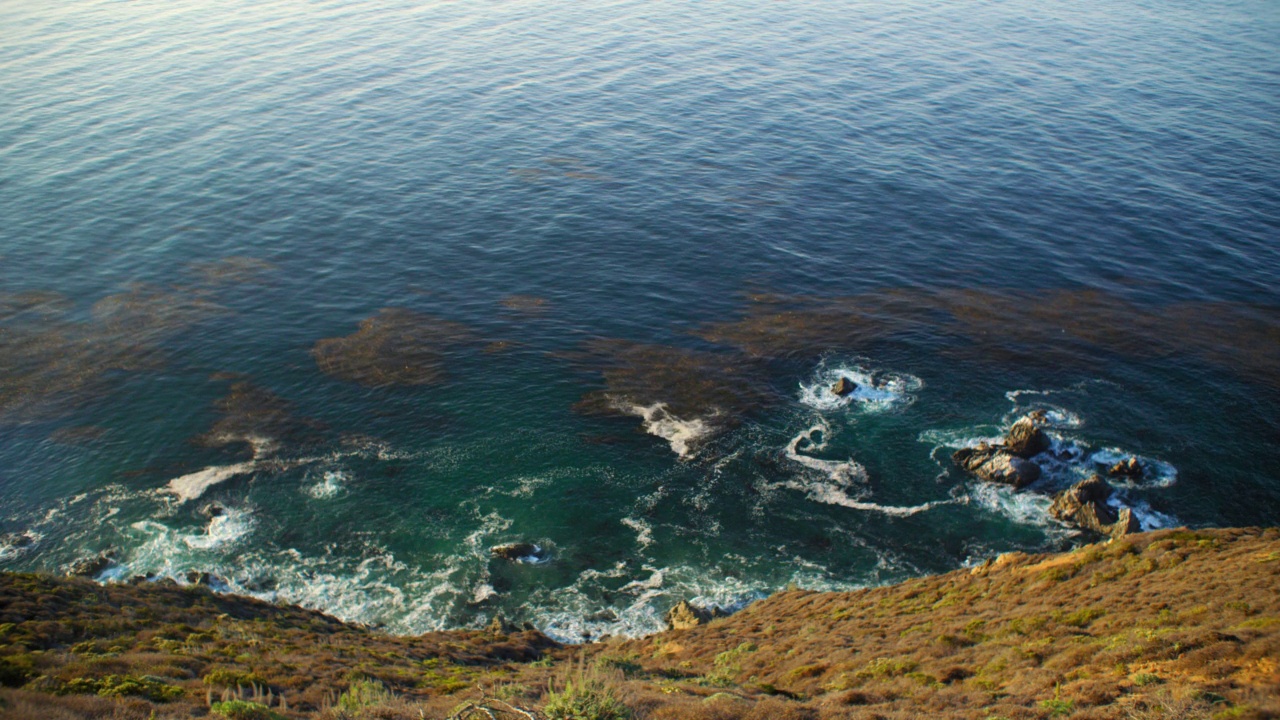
(844,386)
(994,463)
(1085,505)
(686,615)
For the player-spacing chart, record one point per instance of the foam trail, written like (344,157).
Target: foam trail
(681,434)
(840,475)
(193,485)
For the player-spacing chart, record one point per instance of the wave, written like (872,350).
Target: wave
(836,478)
(681,434)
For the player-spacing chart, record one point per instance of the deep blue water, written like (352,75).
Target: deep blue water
(976,208)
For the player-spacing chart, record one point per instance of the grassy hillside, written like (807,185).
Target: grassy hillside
(1171,624)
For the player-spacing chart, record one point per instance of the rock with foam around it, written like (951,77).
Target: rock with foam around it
(844,386)
(1129,467)
(515,551)
(1025,438)
(685,615)
(993,463)
(1085,505)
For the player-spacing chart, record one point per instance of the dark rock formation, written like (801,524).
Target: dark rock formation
(1129,467)
(516,551)
(844,386)
(994,463)
(1025,438)
(90,567)
(1085,505)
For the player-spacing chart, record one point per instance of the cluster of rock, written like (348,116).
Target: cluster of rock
(686,615)
(1084,504)
(1008,462)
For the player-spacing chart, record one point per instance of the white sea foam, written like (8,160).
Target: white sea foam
(834,479)
(193,485)
(875,391)
(644,531)
(331,484)
(680,433)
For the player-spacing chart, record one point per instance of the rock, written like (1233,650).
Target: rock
(90,567)
(17,541)
(1085,505)
(1025,438)
(993,463)
(199,577)
(1129,467)
(685,615)
(844,386)
(212,510)
(516,551)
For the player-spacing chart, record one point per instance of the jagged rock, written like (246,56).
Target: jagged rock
(994,463)
(515,551)
(89,567)
(1025,438)
(686,615)
(1129,467)
(1085,504)
(199,577)
(844,386)
(17,541)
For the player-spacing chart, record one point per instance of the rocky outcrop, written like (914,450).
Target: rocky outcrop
(1008,462)
(91,566)
(994,463)
(844,386)
(685,615)
(516,551)
(1085,504)
(1025,438)
(1130,467)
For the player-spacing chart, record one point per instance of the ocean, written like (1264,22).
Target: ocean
(329,299)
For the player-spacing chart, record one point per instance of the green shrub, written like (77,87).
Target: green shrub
(244,710)
(362,694)
(148,687)
(585,700)
(231,678)
(16,671)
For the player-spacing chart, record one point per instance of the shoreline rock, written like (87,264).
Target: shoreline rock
(1085,505)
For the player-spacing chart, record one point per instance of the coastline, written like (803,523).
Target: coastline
(1160,619)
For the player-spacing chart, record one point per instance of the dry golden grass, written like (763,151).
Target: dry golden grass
(1171,624)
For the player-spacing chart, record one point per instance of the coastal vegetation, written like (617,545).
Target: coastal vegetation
(1168,624)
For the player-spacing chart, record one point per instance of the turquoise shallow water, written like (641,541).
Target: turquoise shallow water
(636,242)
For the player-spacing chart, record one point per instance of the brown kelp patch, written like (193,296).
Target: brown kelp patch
(531,304)
(682,395)
(395,347)
(232,270)
(257,417)
(50,360)
(1044,327)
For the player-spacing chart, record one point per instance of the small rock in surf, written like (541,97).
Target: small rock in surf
(1129,467)
(844,386)
(516,551)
